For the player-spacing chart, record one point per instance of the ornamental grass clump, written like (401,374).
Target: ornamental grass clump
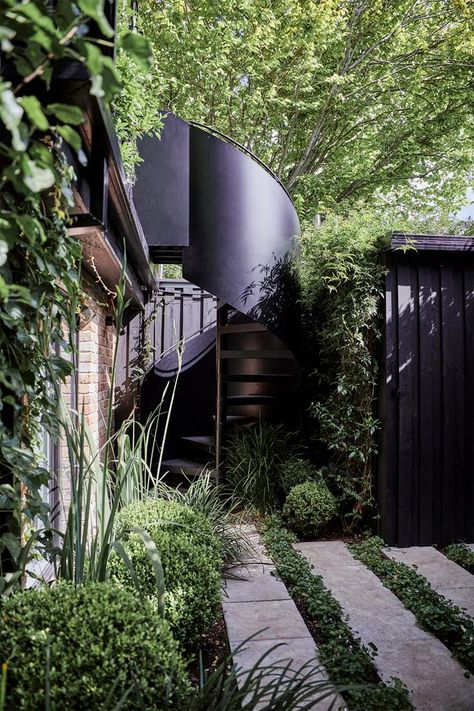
(211,500)
(191,557)
(254,458)
(309,508)
(90,647)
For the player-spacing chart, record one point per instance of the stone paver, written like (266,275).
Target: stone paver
(256,604)
(435,680)
(445,576)
(253,583)
(273,619)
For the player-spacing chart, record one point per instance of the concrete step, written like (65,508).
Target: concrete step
(446,577)
(435,680)
(256,603)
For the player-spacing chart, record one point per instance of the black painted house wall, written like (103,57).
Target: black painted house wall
(426,468)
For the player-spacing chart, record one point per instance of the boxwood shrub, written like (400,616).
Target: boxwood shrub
(308,508)
(191,557)
(297,471)
(101,641)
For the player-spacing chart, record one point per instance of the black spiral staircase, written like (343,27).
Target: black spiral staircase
(207,203)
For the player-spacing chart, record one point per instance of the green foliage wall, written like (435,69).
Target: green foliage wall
(39,260)
(342,289)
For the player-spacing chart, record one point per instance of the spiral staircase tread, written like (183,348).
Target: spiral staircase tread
(257,377)
(250,353)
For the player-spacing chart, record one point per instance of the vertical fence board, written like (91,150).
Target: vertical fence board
(430,403)
(467,533)
(453,405)
(387,485)
(408,403)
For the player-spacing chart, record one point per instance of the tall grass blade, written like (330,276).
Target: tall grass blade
(3,686)
(157,566)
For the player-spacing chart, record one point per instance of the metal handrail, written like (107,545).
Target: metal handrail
(173,347)
(244,149)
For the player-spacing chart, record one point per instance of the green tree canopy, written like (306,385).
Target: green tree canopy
(341,98)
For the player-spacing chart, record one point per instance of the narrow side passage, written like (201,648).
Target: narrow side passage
(259,602)
(435,680)
(445,576)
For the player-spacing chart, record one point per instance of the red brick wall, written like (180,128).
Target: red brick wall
(90,390)
(96,348)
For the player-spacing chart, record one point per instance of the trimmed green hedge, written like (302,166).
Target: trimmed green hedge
(191,555)
(308,508)
(297,471)
(98,636)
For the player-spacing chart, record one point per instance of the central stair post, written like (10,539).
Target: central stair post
(221,400)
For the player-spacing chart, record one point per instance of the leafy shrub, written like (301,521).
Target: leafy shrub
(309,507)
(205,496)
(342,281)
(461,554)
(297,471)
(254,458)
(86,648)
(191,557)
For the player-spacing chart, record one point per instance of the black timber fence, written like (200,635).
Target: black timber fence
(425,485)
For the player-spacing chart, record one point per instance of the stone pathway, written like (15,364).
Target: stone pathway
(446,577)
(257,602)
(436,680)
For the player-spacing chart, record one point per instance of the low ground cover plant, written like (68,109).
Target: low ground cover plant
(343,656)
(191,557)
(461,554)
(433,612)
(309,508)
(90,647)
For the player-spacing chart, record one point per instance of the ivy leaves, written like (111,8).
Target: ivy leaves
(139,48)
(11,114)
(39,283)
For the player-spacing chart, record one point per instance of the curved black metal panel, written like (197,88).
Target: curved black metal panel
(195,397)
(195,348)
(242,230)
(161,189)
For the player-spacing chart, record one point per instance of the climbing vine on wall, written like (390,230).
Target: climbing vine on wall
(39,260)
